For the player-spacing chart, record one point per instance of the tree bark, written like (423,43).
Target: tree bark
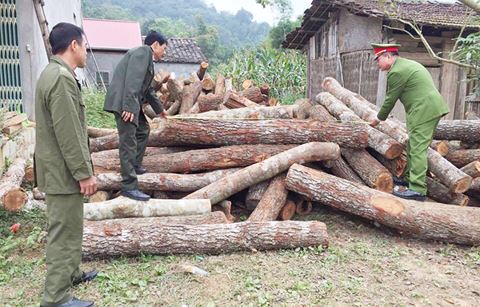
(208,84)
(470,115)
(253,94)
(12,196)
(174,108)
(462,157)
(122,207)
(281,112)
(340,168)
(447,173)
(264,170)
(377,140)
(234,100)
(94,132)
(150,151)
(29,176)
(396,166)
(189,96)
(202,69)
(472,169)
(188,131)
(200,239)
(164,181)
(304,106)
(226,208)
(99,196)
(255,194)
(426,220)
(372,172)
(440,193)
(463,130)
(209,102)
(175,89)
(229,85)
(200,159)
(220,85)
(318,112)
(272,201)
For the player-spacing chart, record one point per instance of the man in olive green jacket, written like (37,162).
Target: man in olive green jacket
(410,82)
(63,167)
(130,86)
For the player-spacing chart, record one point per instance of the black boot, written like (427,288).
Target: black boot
(136,195)
(409,194)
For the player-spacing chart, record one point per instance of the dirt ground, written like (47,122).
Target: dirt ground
(365,265)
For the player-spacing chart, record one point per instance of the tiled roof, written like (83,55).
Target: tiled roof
(440,15)
(183,50)
(112,34)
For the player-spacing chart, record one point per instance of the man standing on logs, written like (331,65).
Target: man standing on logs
(130,86)
(410,82)
(63,168)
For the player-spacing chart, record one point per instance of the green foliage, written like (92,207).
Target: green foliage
(283,70)
(279,32)
(96,116)
(469,52)
(106,11)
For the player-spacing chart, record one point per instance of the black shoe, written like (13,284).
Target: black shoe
(139,170)
(75,302)
(399,181)
(409,194)
(136,194)
(88,276)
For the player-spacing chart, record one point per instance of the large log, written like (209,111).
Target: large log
(280,112)
(340,168)
(190,94)
(110,154)
(100,242)
(253,174)
(426,220)
(253,94)
(94,132)
(447,173)
(395,166)
(122,207)
(12,196)
(272,201)
(440,146)
(220,85)
(190,131)
(440,193)
(377,140)
(304,106)
(234,100)
(202,69)
(164,181)
(255,194)
(463,130)
(199,159)
(372,172)
(209,102)
(462,157)
(175,88)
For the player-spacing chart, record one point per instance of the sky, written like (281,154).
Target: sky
(259,13)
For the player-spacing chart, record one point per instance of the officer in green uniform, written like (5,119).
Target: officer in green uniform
(63,167)
(130,86)
(410,82)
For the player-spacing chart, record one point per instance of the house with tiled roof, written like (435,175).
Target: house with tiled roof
(336,36)
(108,41)
(182,56)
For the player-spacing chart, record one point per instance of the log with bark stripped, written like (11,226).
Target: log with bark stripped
(164,181)
(253,174)
(200,159)
(189,131)
(102,242)
(12,196)
(425,220)
(377,140)
(272,201)
(122,207)
(446,172)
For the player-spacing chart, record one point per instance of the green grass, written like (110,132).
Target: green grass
(96,116)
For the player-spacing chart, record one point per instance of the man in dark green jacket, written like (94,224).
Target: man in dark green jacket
(63,167)
(130,86)
(410,82)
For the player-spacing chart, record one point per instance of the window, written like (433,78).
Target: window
(103,75)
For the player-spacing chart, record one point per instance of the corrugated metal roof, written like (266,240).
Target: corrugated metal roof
(441,15)
(183,50)
(105,34)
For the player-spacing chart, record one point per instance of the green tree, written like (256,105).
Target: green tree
(279,32)
(168,27)
(468,52)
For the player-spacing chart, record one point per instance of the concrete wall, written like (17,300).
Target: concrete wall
(180,69)
(33,57)
(106,61)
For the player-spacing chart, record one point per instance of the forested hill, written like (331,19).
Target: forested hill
(185,18)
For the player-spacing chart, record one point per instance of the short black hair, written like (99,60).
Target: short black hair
(154,36)
(393,53)
(62,36)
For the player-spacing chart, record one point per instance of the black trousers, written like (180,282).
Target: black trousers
(132,144)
